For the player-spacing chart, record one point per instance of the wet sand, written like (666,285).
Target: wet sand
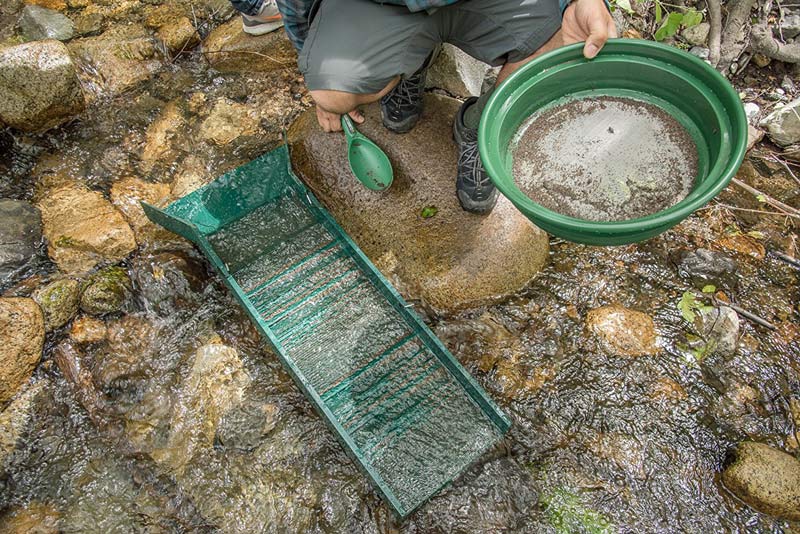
(604,159)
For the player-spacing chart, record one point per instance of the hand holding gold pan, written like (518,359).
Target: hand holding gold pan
(657,78)
(369,163)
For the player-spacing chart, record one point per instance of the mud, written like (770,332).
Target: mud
(604,159)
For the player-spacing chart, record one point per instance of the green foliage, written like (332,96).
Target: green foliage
(675,21)
(710,288)
(429,211)
(567,514)
(624,5)
(689,304)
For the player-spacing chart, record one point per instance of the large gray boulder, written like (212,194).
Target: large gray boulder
(765,478)
(39,85)
(20,233)
(457,72)
(38,23)
(783,125)
(416,231)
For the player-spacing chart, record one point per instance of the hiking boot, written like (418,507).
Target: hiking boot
(268,19)
(402,106)
(476,192)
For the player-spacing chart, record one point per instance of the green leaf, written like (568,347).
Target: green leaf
(670,26)
(624,5)
(686,305)
(710,288)
(428,212)
(659,14)
(692,17)
(761,198)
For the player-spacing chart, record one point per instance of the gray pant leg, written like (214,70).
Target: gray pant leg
(359,46)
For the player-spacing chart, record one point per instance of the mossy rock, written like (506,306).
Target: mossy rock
(106,291)
(59,301)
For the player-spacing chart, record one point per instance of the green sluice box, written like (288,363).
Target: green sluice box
(409,415)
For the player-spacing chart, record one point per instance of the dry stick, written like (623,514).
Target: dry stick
(788,169)
(768,199)
(259,54)
(715,32)
(761,212)
(744,313)
(794,262)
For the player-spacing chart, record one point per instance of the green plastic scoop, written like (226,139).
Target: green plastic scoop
(367,161)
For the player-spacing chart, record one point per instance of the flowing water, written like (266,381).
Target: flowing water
(604,159)
(184,421)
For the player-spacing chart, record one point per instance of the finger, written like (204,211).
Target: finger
(357,116)
(598,35)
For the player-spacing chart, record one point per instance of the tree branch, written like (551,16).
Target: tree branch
(715,32)
(763,42)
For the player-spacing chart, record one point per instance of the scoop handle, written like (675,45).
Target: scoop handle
(349,128)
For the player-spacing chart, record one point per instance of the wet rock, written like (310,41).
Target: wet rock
(84,229)
(106,291)
(229,49)
(58,5)
(131,343)
(228,121)
(87,330)
(697,35)
(720,329)
(127,195)
(88,24)
(743,244)
(39,85)
(457,72)
(119,59)
(192,174)
(20,233)
(215,385)
(709,267)
(161,136)
(178,35)
(624,332)
(39,23)
(22,332)
(244,426)
(452,260)
(59,302)
(35,518)
(783,125)
(765,478)
(14,420)
(168,281)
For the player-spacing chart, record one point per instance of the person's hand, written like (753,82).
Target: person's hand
(590,21)
(332,122)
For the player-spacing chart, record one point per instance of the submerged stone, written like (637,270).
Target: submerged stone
(624,332)
(453,260)
(106,291)
(20,234)
(22,335)
(765,478)
(59,302)
(83,229)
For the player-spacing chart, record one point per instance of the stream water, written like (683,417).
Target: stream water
(599,443)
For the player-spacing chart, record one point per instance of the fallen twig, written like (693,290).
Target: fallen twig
(760,212)
(768,199)
(744,313)
(794,262)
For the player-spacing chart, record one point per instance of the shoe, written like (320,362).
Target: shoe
(401,108)
(267,20)
(474,188)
